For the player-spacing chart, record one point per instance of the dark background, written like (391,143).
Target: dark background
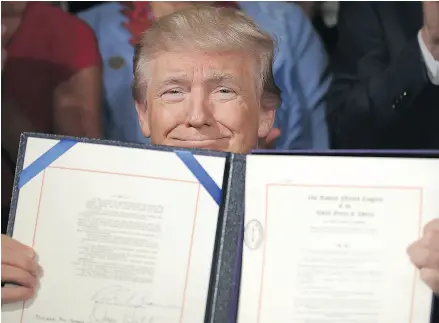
(77,6)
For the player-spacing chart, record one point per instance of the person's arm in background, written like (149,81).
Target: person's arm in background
(305,81)
(77,100)
(369,92)
(13,121)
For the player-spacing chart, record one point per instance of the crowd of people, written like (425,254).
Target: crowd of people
(360,75)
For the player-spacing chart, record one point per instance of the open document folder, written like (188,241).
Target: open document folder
(135,233)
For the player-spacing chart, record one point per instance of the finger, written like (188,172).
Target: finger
(8,242)
(18,276)
(20,261)
(430,240)
(422,256)
(273,135)
(432,226)
(431,278)
(18,255)
(13,294)
(268,142)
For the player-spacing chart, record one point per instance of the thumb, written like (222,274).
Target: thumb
(268,143)
(272,135)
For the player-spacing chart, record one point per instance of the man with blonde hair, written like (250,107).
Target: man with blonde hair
(299,69)
(203,79)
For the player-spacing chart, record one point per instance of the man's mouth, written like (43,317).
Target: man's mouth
(199,139)
(201,143)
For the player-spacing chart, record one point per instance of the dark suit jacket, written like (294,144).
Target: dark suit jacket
(381,97)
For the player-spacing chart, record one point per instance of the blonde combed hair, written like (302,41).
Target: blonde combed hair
(205,28)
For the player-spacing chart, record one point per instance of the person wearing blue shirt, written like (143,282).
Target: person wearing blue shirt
(300,67)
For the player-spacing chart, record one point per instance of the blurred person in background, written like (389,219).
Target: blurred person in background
(51,79)
(385,93)
(300,66)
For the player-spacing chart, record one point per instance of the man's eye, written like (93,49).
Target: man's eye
(173,91)
(225,91)
(173,95)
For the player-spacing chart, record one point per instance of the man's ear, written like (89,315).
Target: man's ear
(142,114)
(269,104)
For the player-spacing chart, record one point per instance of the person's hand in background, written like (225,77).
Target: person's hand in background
(270,140)
(430,30)
(424,254)
(19,268)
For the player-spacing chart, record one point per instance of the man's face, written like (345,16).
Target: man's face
(204,100)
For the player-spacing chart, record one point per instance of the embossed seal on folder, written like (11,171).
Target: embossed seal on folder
(253,234)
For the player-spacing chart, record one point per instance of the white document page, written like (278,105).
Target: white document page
(326,239)
(123,235)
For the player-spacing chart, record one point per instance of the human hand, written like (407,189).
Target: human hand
(424,254)
(430,30)
(18,267)
(268,142)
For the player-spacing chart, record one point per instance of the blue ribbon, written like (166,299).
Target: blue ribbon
(200,173)
(44,161)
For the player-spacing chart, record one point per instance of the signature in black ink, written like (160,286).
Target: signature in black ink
(119,295)
(118,304)
(109,313)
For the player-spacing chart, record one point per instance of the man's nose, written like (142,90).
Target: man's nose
(199,112)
